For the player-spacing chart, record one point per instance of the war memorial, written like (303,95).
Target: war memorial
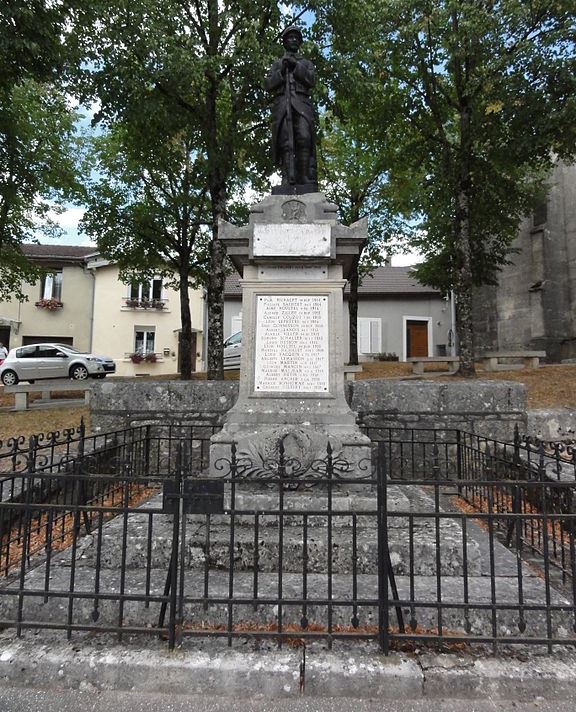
(292,533)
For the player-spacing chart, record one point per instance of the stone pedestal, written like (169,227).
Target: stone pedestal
(294,258)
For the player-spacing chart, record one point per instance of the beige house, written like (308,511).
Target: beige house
(59,306)
(80,301)
(142,318)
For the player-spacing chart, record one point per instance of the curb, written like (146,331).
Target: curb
(277,674)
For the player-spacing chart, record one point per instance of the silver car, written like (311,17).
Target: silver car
(233,351)
(36,361)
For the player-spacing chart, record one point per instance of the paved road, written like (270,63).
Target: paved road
(22,700)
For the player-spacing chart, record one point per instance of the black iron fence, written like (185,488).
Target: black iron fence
(447,538)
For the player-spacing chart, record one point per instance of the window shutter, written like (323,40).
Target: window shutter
(364,335)
(369,335)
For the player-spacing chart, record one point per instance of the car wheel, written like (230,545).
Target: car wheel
(79,372)
(9,378)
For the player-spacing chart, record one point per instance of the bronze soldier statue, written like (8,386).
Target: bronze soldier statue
(293,137)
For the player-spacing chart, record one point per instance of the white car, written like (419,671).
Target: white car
(37,361)
(233,351)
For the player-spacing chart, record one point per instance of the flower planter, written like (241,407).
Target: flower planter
(49,304)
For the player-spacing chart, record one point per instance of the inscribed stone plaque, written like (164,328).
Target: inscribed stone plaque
(291,344)
(293,273)
(291,240)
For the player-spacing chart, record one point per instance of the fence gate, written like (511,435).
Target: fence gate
(276,550)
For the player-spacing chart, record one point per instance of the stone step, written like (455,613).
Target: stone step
(136,553)
(315,503)
(200,613)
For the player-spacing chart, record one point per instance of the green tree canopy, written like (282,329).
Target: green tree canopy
(192,71)
(37,174)
(37,137)
(485,102)
(148,210)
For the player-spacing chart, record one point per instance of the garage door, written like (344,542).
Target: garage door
(66,340)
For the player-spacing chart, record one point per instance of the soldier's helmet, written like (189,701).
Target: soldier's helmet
(292,29)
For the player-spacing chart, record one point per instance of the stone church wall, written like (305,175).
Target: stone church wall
(534,304)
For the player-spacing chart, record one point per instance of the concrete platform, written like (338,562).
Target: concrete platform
(245,676)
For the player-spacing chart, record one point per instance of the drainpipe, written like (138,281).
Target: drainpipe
(92,271)
(205,328)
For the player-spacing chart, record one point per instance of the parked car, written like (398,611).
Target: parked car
(233,351)
(36,361)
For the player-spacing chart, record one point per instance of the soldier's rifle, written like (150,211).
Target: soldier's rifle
(289,126)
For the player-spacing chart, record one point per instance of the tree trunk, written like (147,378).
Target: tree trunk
(186,340)
(216,312)
(353,316)
(464,324)
(215,295)
(217,173)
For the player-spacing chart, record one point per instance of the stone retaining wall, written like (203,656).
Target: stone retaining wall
(553,424)
(489,408)
(117,403)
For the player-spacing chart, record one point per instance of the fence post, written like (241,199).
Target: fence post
(459,455)
(172,618)
(383,559)
(82,439)
(330,505)
(25,532)
(516,459)
(147,449)
(436,471)
(32,451)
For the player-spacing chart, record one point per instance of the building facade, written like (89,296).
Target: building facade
(534,304)
(59,306)
(80,301)
(139,324)
(396,315)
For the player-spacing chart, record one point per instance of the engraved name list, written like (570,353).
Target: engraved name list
(291,344)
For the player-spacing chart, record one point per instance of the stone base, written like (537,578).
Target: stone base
(296,189)
(306,450)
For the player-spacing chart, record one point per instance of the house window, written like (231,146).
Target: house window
(51,287)
(146,291)
(369,335)
(144,340)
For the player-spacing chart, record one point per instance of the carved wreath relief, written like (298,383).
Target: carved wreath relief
(294,211)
